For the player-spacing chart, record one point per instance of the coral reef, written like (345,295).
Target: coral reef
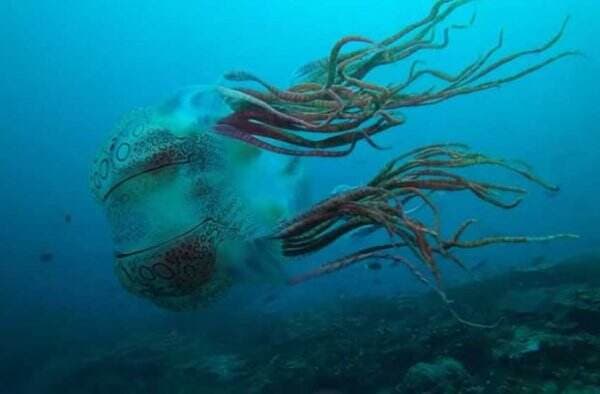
(547,342)
(444,375)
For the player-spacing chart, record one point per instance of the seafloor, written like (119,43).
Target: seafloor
(547,342)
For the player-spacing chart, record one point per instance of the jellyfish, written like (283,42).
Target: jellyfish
(201,191)
(183,202)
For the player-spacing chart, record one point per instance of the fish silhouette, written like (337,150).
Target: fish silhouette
(46,257)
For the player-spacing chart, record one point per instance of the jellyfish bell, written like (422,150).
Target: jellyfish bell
(188,208)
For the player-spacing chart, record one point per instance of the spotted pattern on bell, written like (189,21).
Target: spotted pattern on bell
(180,273)
(141,146)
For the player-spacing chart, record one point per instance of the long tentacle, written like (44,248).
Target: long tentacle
(381,201)
(335,97)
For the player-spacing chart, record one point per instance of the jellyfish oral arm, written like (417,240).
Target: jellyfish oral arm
(381,203)
(335,104)
(242,134)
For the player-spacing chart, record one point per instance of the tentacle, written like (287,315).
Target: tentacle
(337,99)
(381,204)
(248,138)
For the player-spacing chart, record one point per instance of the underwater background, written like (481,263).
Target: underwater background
(70,69)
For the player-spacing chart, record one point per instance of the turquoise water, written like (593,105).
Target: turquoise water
(70,69)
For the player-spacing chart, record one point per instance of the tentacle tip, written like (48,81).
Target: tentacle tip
(577,53)
(231,75)
(473,18)
(553,188)
(516,202)
(380,147)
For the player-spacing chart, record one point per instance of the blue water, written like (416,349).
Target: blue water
(69,69)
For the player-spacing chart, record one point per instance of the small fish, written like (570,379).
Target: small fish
(68,218)
(375,266)
(46,257)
